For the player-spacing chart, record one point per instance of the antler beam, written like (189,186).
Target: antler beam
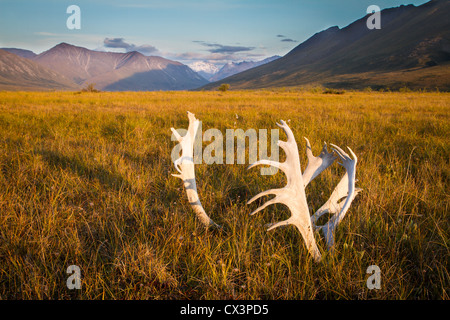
(345,188)
(185,166)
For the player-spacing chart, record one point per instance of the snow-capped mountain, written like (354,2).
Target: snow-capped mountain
(212,73)
(204,68)
(232,68)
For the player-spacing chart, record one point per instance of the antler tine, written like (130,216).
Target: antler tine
(279,224)
(283,125)
(343,155)
(293,194)
(185,166)
(176,134)
(316,164)
(268,203)
(308,147)
(264,193)
(272,163)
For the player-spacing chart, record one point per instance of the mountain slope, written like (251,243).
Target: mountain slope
(412,48)
(119,71)
(17,73)
(21,52)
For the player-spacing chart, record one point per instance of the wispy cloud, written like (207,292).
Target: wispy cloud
(220,48)
(47,34)
(285,39)
(289,40)
(119,43)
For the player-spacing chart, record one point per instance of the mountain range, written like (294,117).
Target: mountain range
(232,68)
(73,67)
(21,52)
(110,71)
(21,73)
(411,49)
(204,68)
(212,73)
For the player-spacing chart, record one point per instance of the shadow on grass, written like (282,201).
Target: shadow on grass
(91,172)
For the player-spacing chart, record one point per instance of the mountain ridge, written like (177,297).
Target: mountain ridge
(114,71)
(19,73)
(21,52)
(411,49)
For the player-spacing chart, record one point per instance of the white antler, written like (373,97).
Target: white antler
(345,188)
(316,164)
(293,194)
(185,166)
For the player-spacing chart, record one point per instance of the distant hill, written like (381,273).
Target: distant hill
(18,73)
(232,68)
(112,71)
(21,52)
(411,49)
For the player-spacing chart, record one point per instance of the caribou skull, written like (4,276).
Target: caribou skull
(185,166)
(293,194)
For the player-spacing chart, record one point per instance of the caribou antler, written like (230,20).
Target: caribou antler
(293,194)
(185,166)
(345,188)
(316,164)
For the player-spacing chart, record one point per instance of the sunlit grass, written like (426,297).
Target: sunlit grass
(85,179)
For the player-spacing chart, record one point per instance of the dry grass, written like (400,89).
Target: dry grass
(85,179)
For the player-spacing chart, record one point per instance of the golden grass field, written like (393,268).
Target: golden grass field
(85,179)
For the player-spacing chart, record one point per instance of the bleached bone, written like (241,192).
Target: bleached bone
(185,166)
(336,201)
(316,164)
(345,188)
(293,194)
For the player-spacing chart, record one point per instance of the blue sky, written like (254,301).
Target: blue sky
(218,31)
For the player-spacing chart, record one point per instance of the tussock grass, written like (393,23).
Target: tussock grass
(85,179)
